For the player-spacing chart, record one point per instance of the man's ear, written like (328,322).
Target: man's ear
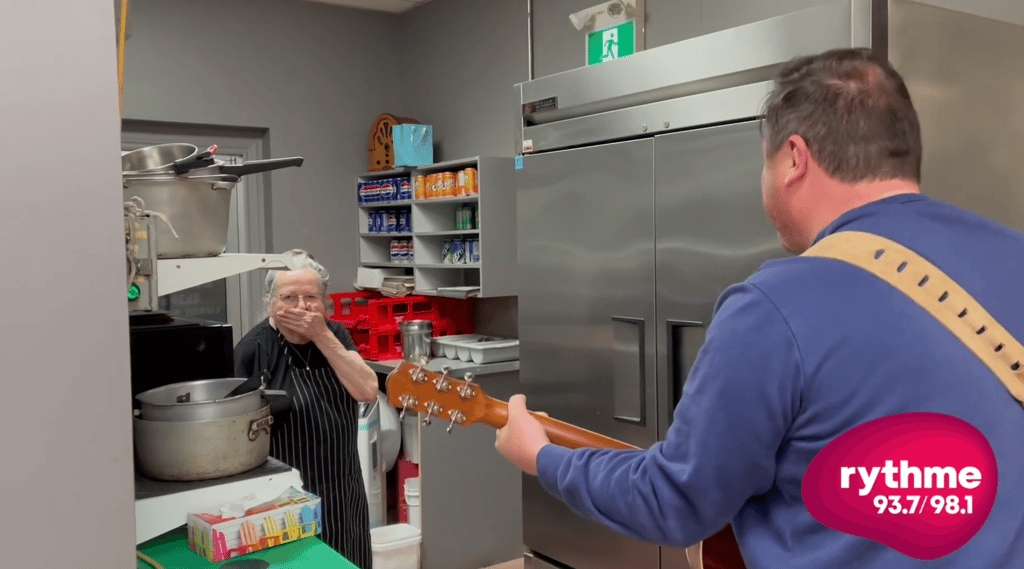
(798,158)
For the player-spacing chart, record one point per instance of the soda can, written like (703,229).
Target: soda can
(419,187)
(392,222)
(472,181)
(448,184)
(437,187)
(406,189)
(382,221)
(361,192)
(403,251)
(403,220)
(394,250)
(458,252)
(373,192)
(460,183)
(469,250)
(446,251)
(371,222)
(412,256)
(476,250)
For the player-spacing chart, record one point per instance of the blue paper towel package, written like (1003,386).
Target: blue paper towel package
(414,144)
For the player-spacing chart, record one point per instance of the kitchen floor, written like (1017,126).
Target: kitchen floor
(514,564)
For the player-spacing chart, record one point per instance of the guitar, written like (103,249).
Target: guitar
(412,388)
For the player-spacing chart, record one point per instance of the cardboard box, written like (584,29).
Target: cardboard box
(222,532)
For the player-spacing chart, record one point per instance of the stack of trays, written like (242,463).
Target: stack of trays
(475,348)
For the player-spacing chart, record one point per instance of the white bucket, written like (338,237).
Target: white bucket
(412,501)
(395,547)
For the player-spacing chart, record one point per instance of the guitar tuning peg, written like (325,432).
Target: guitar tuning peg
(418,376)
(432,409)
(466,391)
(457,417)
(407,400)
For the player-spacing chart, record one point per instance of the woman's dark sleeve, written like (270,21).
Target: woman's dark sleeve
(343,336)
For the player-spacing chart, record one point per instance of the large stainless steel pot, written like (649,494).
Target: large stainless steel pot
(201,400)
(201,450)
(198,208)
(156,158)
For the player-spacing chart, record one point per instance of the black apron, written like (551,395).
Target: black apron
(318,437)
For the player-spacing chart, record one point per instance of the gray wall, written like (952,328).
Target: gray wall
(315,75)
(559,47)
(67,447)
(460,61)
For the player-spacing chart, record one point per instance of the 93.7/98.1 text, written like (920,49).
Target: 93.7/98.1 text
(920,504)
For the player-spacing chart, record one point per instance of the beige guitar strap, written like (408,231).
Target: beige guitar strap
(936,293)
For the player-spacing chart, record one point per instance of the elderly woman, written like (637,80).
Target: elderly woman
(299,350)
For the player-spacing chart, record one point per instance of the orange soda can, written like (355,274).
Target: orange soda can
(448,186)
(472,181)
(420,190)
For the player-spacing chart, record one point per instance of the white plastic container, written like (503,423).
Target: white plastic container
(411,437)
(371,460)
(396,546)
(486,349)
(412,501)
(449,345)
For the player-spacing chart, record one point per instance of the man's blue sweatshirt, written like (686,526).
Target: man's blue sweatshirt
(799,353)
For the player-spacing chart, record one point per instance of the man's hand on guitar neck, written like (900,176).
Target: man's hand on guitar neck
(522,437)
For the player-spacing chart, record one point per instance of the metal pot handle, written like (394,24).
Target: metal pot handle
(258,425)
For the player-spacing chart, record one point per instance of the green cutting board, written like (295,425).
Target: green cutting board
(171,550)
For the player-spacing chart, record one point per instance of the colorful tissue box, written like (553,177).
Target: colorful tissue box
(292,515)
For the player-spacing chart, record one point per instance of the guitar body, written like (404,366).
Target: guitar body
(413,388)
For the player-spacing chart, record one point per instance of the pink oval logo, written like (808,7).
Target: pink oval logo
(920,483)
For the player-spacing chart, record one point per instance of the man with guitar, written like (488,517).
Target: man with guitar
(810,347)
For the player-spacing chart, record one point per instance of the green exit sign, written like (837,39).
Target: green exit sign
(611,43)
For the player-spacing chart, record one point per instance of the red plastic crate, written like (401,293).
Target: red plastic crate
(354,309)
(389,310)
(373,320)
(383,344)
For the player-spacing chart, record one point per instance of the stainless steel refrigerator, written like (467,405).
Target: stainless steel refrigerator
(638,198)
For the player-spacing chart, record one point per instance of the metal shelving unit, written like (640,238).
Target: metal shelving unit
(433,221)
(179,274)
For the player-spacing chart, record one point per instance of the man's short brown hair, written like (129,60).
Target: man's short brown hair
(853,110)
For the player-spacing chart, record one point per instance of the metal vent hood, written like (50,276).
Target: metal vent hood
(715,78)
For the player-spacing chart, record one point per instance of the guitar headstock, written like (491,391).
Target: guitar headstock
(413,388)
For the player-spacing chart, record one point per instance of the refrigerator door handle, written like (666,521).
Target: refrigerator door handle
(683,337)
(629,372)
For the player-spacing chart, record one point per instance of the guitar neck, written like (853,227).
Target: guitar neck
(561,433)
